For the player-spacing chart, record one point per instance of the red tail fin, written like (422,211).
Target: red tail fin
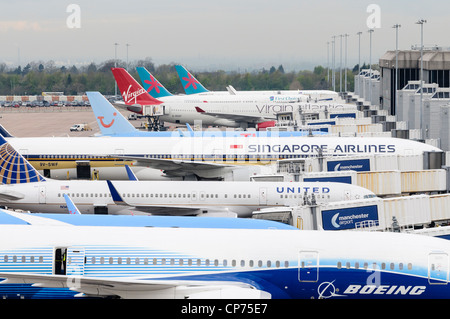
(132,92)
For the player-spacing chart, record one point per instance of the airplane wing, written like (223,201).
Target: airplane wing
(138,288)
(235,117)
(158,209)
(173,166)
(11,195)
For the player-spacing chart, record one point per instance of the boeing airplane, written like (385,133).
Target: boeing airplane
(278,262)
(218,110)
(24,188)
(192,86)
(205,157)
(112,123)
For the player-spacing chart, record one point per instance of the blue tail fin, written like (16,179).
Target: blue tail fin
(14,168)
(71,206)
(151,84)
(130,173)
(110,121)
(190,84)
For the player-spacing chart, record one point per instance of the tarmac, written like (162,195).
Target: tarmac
(51,121)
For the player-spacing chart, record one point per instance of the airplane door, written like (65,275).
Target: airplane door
(75,261)
(42,195)
(438,267)
(308,266)
(263,196)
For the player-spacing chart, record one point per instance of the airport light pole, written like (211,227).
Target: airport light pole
(333,45)
(345,63)
(370,66)
(396,26)
(359,62)
(340,66)
(115,65)
(421,22)
(127,45)
(328,63)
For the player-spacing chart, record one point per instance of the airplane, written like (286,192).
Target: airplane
(218,110)
(201,157)
(112,123)
(193,86)
(177,262)
(24,188)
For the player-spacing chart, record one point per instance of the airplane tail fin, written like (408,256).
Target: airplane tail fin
(71,207)
(151,84)
(190,84)
(14,168)
(132,92)
(109,119)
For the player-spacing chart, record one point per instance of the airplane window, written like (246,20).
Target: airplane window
(41,259)
(339,265)
(111,260)
(5,258)
(242,263)
(119,260)
(366,265)
(155,261)
(93,260)
(269,264)
(400,266)
(392,266)
(356,265)
(207,262)
(286,264)
(102,260)
(251,263)
(233,263)
(409,266)
(383,265)
(347,265)
(128,260)
(259,263)
(199,262)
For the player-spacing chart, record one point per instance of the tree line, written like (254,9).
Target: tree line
(38,77)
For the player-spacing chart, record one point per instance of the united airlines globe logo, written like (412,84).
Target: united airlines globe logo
(15,169)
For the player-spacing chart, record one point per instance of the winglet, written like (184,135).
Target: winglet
(71,206)
(132,92)
(131,175)
(199,110)
(151,84)
(115,194)
(190,84)
(14,168)
(109,119)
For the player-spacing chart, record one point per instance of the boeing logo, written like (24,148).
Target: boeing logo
(384,290)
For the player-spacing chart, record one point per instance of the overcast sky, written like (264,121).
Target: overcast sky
(208,34)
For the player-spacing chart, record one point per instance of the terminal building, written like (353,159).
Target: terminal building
(378,88)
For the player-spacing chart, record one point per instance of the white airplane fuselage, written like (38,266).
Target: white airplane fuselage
(173,198)
(227,152)
(158,262)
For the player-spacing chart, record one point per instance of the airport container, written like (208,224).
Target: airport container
(410,162)
(381,183)
(424,181)
(440,207)
(408,210)
(348,177)
(349,215)
(364,128)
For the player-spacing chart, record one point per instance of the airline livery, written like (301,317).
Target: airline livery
(112,123)
(212,109)
(184,155)
(211,261)
(192,86)
(24,188)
